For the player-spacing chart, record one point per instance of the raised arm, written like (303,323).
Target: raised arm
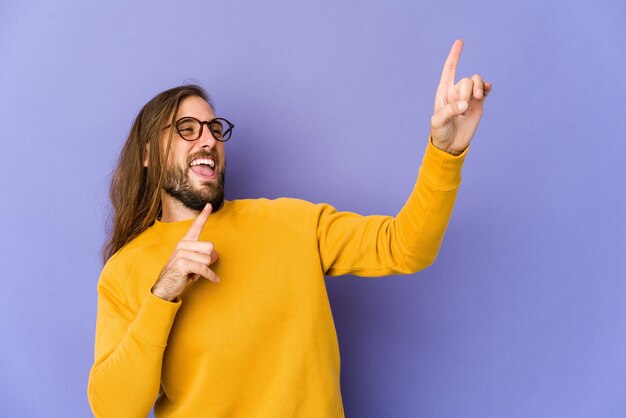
(381,245)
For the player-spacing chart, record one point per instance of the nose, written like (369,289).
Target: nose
(206,140)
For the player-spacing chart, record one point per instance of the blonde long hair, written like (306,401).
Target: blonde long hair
(135,189)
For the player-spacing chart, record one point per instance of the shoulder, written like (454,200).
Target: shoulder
(298,215)
(279,207)
(122,263)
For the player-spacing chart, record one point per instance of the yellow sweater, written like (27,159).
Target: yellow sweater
(262,341)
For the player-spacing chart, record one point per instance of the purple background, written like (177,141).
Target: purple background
(523,313)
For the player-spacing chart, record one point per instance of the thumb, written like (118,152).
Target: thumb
(443,116)
(214,256)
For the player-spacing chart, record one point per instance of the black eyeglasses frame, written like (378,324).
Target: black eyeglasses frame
(226,134)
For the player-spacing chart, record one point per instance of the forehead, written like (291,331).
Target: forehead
(196,107)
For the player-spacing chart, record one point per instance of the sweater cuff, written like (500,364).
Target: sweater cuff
(154,320)
(440,169)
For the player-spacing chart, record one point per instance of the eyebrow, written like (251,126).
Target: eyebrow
(187,116)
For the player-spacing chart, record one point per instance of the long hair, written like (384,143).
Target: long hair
(136,190)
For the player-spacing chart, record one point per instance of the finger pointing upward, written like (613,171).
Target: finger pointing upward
(449,68)
(196,227)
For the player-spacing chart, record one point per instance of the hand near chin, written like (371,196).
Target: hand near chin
(458,107)
(189,261)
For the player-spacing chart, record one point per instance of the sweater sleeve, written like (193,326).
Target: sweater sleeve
(380,245)
(125,378)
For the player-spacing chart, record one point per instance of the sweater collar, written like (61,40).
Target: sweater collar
(179,228)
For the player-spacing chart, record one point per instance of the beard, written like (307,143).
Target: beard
(178,185)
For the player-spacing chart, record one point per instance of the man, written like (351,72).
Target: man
(249,332)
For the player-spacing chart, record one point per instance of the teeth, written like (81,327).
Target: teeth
(200,161)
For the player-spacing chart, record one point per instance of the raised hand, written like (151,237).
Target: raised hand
(189,261)
(458,107)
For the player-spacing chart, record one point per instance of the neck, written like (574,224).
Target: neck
(172,210)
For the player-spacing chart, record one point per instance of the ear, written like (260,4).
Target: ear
(146,155)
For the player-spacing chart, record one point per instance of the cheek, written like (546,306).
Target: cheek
(178,153)
(221,152)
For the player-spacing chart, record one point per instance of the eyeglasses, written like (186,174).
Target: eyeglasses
(190,128)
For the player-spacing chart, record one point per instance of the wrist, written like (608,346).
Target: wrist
(156,291)
(446,149)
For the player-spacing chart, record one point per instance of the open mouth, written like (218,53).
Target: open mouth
(203,168)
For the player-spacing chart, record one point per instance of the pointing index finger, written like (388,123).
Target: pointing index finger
(196,227)
(449,68)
